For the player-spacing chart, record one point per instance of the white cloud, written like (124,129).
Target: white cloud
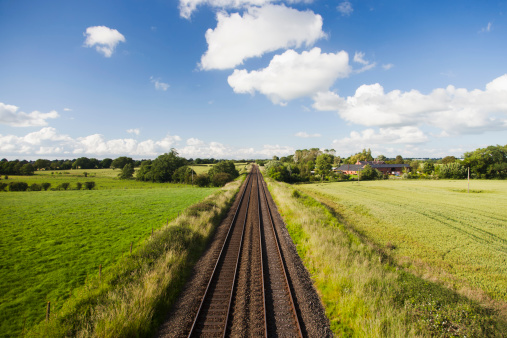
(385,140)
(260,30)
(50,143)
(455,110)
(67,109)
(10,116)
(134,131)
(158,84)
(359,58)
(387,66)
(486,29)
(304,134)
(345,8)
(187,7)
(292,75)
(103,38)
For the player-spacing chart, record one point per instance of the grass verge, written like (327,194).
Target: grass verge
(364,293)
(131,299)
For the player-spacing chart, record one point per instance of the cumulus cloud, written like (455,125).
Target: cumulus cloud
(49,142)
(159,85)
(385,139)
(451,109)
(304,134)
(103,38)
(10,116)
(345,8)
(292,75)
(260,30)
(134,131)
(187,7)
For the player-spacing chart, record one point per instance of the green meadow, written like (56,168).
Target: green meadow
(51,241)
(433,228)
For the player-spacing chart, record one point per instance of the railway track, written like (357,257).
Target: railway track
(248,293)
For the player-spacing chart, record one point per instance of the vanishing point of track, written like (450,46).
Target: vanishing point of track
(248,293)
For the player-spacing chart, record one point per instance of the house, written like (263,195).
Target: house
(391,169)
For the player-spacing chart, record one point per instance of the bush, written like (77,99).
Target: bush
(18,186)
(3,186)
(224,167)
(89,185)
(220,179)
(79,185)
(35,187)
(45,185)
(64,186)
(127,172)
(202,180)
(368,173)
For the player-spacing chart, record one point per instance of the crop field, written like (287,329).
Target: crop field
(433,228)
(365,291)
(50,241)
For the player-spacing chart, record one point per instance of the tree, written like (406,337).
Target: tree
(452,170)
(18,186)
(448,159)
(144,173)
(164,166)
(27,169)
(324,164)
(46,185)
(381,158)
(42,164)
(202,180)
(106,163)
(368,173)
(398,160)
(127,172)
(89,185)
(121,161)
(184,175)
(221,179)
(490,162)
(364,155)
(224,167)
(83,163)
(428,167)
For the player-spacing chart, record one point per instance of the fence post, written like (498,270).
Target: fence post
(48,311)
(131,248)
(100,273)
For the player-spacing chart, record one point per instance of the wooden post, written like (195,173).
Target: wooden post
(48,311)
(468,180)
(131,248)
(100,272)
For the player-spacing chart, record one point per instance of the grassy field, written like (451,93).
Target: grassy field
(366,293)
(433,228)
(50,241)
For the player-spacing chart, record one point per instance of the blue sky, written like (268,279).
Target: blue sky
(251,79)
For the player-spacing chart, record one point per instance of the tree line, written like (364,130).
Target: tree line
(315,164)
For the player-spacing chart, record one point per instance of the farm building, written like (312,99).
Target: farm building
(391,169)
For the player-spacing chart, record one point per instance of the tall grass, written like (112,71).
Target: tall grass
(364,292)
(132,298)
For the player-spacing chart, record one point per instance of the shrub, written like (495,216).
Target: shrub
(35,187)
(3,186)
(45,185)
(64,186)
(127,172)
(85,174)
(89,185)
(220,179)
(202,180)
(18,186)
(6,177)
(79,185)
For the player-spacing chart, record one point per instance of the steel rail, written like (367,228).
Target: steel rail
(221,256)
(287,287)
(258,174)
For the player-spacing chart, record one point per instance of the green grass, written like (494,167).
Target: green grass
(433,228)
(364,291)
(50,241)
